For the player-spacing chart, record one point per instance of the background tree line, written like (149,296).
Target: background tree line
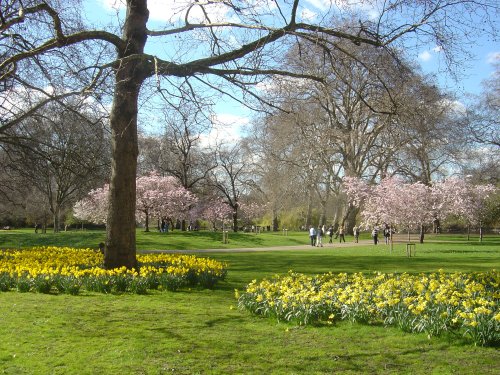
(345,63)
(292,161)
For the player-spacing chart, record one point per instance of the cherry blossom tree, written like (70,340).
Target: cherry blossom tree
(392,202)
(461,197)
(157,196)
(94,206)
(251,210)
(216,211)
(356,189)
(397,203)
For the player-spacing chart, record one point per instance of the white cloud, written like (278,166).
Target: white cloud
(308,15)
(425,56)
(345,5)
(322,5)
(113,4)
(227,128)
(437,49)
(493,58)
(455,106)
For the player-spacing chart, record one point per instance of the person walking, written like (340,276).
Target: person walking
(319,237)
(375,235)
(387,234)
(355,231)
(330,234)
(341,233)
(312,235)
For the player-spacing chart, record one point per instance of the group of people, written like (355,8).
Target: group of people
(387,232)
(316,234)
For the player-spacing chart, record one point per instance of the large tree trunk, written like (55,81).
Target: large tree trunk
(350,219)
(56,216)
(147,221)
(120,241)
(422,233)
(235,220)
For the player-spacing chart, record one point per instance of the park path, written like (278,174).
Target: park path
(335,245)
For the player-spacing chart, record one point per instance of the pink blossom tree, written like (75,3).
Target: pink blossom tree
(156,196)
(251,211)
(392,202)
(216,210)
(177,203)
(159,197)
(461,197)
(357,190)
(397,203)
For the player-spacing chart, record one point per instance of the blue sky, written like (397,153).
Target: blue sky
(477,70)
(429,57)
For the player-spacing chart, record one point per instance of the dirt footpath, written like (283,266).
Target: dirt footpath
(335,245)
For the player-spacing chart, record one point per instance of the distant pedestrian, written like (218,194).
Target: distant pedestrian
(330,234)
(355,231)
(387,234)
(319,237)
(375,235)
(341,234)
(312,235)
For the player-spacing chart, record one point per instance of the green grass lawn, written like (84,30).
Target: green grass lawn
(202,331)
(197,240)
(178,240)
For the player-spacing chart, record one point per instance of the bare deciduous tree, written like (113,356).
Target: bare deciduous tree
(179,152)
(60,155)
(484,117)
(231,178)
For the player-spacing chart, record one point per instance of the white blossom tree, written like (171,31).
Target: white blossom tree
(93,207)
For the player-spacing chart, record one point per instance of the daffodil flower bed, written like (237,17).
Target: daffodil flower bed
(460,303)
(68,270)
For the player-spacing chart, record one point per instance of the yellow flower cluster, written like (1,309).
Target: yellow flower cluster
(430,303)
(50,263)
(183,264)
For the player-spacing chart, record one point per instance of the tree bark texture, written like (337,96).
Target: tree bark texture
(235,220)
(120,237)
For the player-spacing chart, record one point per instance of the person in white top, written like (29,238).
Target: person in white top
(312,235)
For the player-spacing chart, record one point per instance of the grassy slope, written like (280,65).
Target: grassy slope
(195,331)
